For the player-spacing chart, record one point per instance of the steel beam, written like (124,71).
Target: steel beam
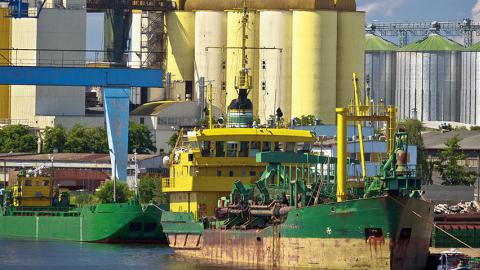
(78,76)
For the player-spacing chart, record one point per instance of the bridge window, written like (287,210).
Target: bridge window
(266,146)
(290,147)
(243,152)
(232,149)
(254,148)
(220,149)
(206,148)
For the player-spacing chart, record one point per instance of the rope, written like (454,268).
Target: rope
(434,224)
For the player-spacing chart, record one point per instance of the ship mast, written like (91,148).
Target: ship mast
(240,110)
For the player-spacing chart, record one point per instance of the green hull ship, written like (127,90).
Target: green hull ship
(114,222)
(292,217)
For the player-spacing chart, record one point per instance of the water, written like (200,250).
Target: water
(59,255)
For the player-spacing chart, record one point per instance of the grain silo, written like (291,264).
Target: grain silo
(234,55)
(180,53)
(5,40)
(428,79)
(210,42)
(470,95)
(275,64)
(314,64)
(380,66)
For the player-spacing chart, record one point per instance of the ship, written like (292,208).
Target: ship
(33,209)
(302,210)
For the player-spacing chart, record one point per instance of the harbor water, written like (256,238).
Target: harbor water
(27,254)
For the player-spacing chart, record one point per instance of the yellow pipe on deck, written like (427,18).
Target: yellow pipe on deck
(341,153)
(392,128)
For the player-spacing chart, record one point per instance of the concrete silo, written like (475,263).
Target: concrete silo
(380,68)
(275,64)
(211,31)
(470,90)
(428,79)
(314,64)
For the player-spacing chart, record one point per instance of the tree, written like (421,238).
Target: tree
(306,120)
(414,129)
(150,190)
(55,138)
(17,138)
(81,139)
(447,165)
(172,141)
(122,192)
(140,138)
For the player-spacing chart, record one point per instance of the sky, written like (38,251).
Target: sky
(377,10)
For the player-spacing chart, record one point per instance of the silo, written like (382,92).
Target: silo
(380,66)
(470,95)
(181,51)
(5,43)
(275,89)
(211,31)
(234,55)
(350,53)
(314,43)
(428,79)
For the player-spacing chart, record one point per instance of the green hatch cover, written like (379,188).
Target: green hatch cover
(376,43)
(433,42)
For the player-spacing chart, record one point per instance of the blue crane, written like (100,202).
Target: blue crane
(20,8)
(116,83)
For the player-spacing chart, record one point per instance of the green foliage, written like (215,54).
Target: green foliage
(306,120)
(150,190)
(17,138)
(55,138)
(105,192)
(140,139)
(82,198)
(414,129)
(447,165)
(172,141)
(81,139)
(475,128)
(203,122)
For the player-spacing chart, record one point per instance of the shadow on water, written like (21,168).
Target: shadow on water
(28,254)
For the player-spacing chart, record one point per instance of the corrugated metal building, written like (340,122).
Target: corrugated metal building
(428,79)
(380,69)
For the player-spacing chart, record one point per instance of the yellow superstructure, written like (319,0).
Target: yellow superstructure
(206,163)
(32,191)
(5,43)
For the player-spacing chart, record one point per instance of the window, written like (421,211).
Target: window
(220,149)
(278,147)
(253,173)
(206,148)
(46,183)
(244,173)
(230,173)
(232,149)
(28,183)
(243,152)
(367,157)
(254,148)
(219,173)
(266,146)
(150,226)
(142,120)
(290,147)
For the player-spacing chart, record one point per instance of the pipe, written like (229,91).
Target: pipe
(341,153)
(221,5)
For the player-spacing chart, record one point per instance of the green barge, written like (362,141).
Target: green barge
(31,209)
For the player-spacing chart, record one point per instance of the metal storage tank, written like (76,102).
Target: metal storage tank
(428,79)
(5,42)
(211,31)
(314,64)
(181,49)
(380,66)
(350,53)
(221,5)
(275,64)
(234,56)
(470,86)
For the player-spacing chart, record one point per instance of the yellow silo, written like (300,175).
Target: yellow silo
(234,56)
(314,43)
(5,42)
(350,53)
(181,52)
(346,5)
